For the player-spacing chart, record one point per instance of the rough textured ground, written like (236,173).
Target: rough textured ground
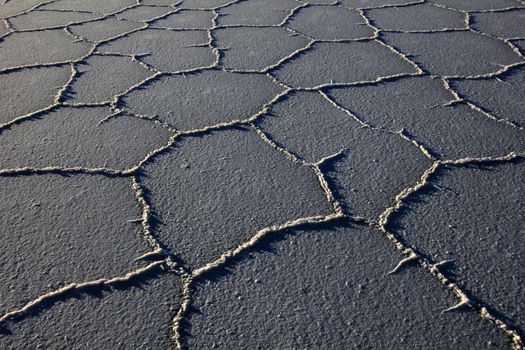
(279,174)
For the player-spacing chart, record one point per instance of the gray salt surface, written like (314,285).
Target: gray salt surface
(161,2)
(30,90)
(417,17)
(104,320)
(103,29)
(12,8)
(80,137)
(321,2)
(102,77)
(97,6)
(450,132)
(166,50)
(255,174)
(47,19)
(144,13)
(58,230)
(214,192)
(347,62)
(328,289)
(365,176)
(520,45)
(372,3)
(454,53)
(501,24)
(3,28)
(249,48)
(202,99)
(479,5)
(269,12)
(330,23)
(503,97)
(186,19)
(32,48)
(479,214)
(203,4)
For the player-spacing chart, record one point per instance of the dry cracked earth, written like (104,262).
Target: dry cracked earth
(262,174)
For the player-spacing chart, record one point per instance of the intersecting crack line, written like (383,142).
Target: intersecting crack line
(364,124)
(411,254)
(160,250)
(459,99)
(101,17)
(233,2)
(198,273)
(337,214)
(132,171)
(31,8)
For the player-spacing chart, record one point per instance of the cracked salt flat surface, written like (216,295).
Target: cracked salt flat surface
(159,193)
(220,183)
(418,17)
(330,23)
(48,19)
(60,137)
(79,213)
(248,48)
(103,29)
(270,12)
(39,48)
(144,13)
(186,19)
(40,85)
(299,295)
(478,238)
(120,72)
(223,97)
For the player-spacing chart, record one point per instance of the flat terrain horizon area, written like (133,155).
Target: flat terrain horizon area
(262,174)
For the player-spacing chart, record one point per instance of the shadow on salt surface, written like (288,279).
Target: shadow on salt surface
(97,291)
(266,244)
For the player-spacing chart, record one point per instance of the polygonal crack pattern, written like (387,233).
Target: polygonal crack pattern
(501,24)
(165,50)
(231,173)
(373,3)
(289,286)
(269,12)
(209,193)
(83,321)
(144,13)
(99,78)
(477,237)
(416,18)
(97,6)
(248,48)
(40,48)
(330,23)
(103,29)
(173,98)
(48,19)
(479,5)
(457,53)
(326,63)
(307,126)
(423,109)
(186,19)
(40,85)
(80,137)
(503,97)
(58,230)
